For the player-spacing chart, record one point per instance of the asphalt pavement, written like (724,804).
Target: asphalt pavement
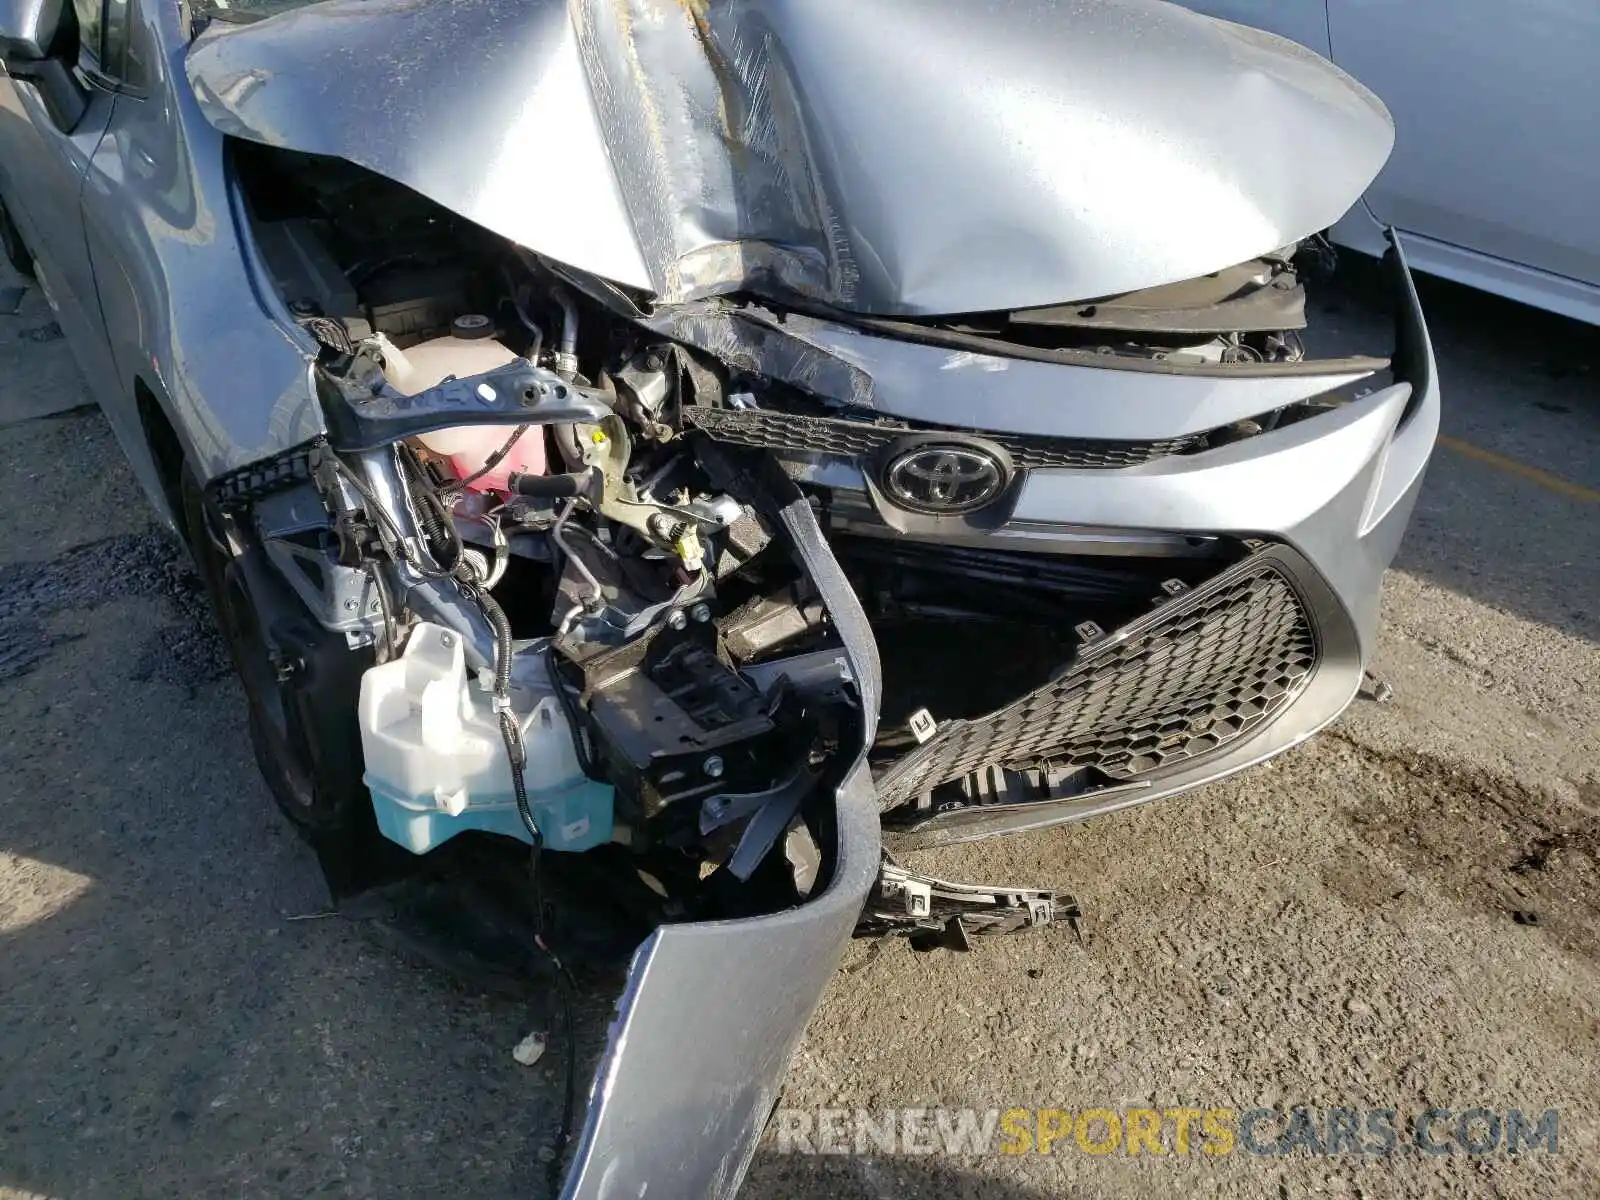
(1402,914)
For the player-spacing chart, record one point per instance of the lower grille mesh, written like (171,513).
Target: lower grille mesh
(1216,665)
(771,430)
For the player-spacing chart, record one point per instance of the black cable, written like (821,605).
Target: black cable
(437,524)
(516,751)
(580,744)
(385,609)
(490,463)
(376,510)
(569,1105)
(510,731)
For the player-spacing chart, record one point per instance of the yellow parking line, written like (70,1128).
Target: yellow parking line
(1563,487)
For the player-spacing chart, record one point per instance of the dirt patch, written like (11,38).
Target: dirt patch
(1362,882)
(187,652)
(1487,840)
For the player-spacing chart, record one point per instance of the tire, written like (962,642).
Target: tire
(301,685)
(11,242)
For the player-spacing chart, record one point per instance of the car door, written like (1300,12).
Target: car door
(1497,108)
(42,167)
(136,174)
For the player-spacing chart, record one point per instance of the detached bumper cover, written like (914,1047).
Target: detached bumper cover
(1245,666)
(1212,682)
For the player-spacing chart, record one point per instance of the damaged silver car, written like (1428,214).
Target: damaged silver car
(724,443)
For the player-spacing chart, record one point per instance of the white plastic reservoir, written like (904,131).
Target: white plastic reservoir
(470,350)
(437,765)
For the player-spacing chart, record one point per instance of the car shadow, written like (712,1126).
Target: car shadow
(1507,514)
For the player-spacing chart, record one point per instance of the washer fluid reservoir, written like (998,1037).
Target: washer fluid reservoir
(471,349)
(437,764)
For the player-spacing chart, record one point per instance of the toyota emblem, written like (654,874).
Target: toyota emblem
(943,477)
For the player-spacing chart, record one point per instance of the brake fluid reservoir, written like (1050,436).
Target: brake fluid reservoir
(437,765)
(471,349)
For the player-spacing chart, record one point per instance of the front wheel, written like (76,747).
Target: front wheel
(301,685)
(11,242)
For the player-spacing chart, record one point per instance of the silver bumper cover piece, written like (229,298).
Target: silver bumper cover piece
(712,1011)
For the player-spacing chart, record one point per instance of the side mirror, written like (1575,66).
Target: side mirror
(28,28)
(27,36)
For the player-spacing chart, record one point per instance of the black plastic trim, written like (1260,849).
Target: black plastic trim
(1320,697)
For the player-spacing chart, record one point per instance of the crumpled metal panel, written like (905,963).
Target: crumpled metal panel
(482,106)
(883,156)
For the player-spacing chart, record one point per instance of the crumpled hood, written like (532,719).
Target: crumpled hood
(897,157)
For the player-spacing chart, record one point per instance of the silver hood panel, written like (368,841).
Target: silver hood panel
(896,157)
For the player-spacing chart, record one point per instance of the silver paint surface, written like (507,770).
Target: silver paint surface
(191,317)
(883,156)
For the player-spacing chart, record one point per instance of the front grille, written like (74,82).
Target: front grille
(1210,667)
(771,430)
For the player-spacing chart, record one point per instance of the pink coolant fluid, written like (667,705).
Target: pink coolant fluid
(471,349)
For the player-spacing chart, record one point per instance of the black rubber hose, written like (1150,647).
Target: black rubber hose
(528,323)
(549,487)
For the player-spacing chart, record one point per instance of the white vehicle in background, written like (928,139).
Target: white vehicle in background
(1495,177)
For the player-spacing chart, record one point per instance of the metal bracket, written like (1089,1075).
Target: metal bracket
(724,808)
(770,813)
(948,913)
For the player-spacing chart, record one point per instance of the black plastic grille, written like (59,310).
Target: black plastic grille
(772,430)
(1213,666)
(258,480)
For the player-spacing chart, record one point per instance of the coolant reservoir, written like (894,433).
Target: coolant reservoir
(437,764)
(471,349)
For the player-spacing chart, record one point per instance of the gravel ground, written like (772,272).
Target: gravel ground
(1404,913)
